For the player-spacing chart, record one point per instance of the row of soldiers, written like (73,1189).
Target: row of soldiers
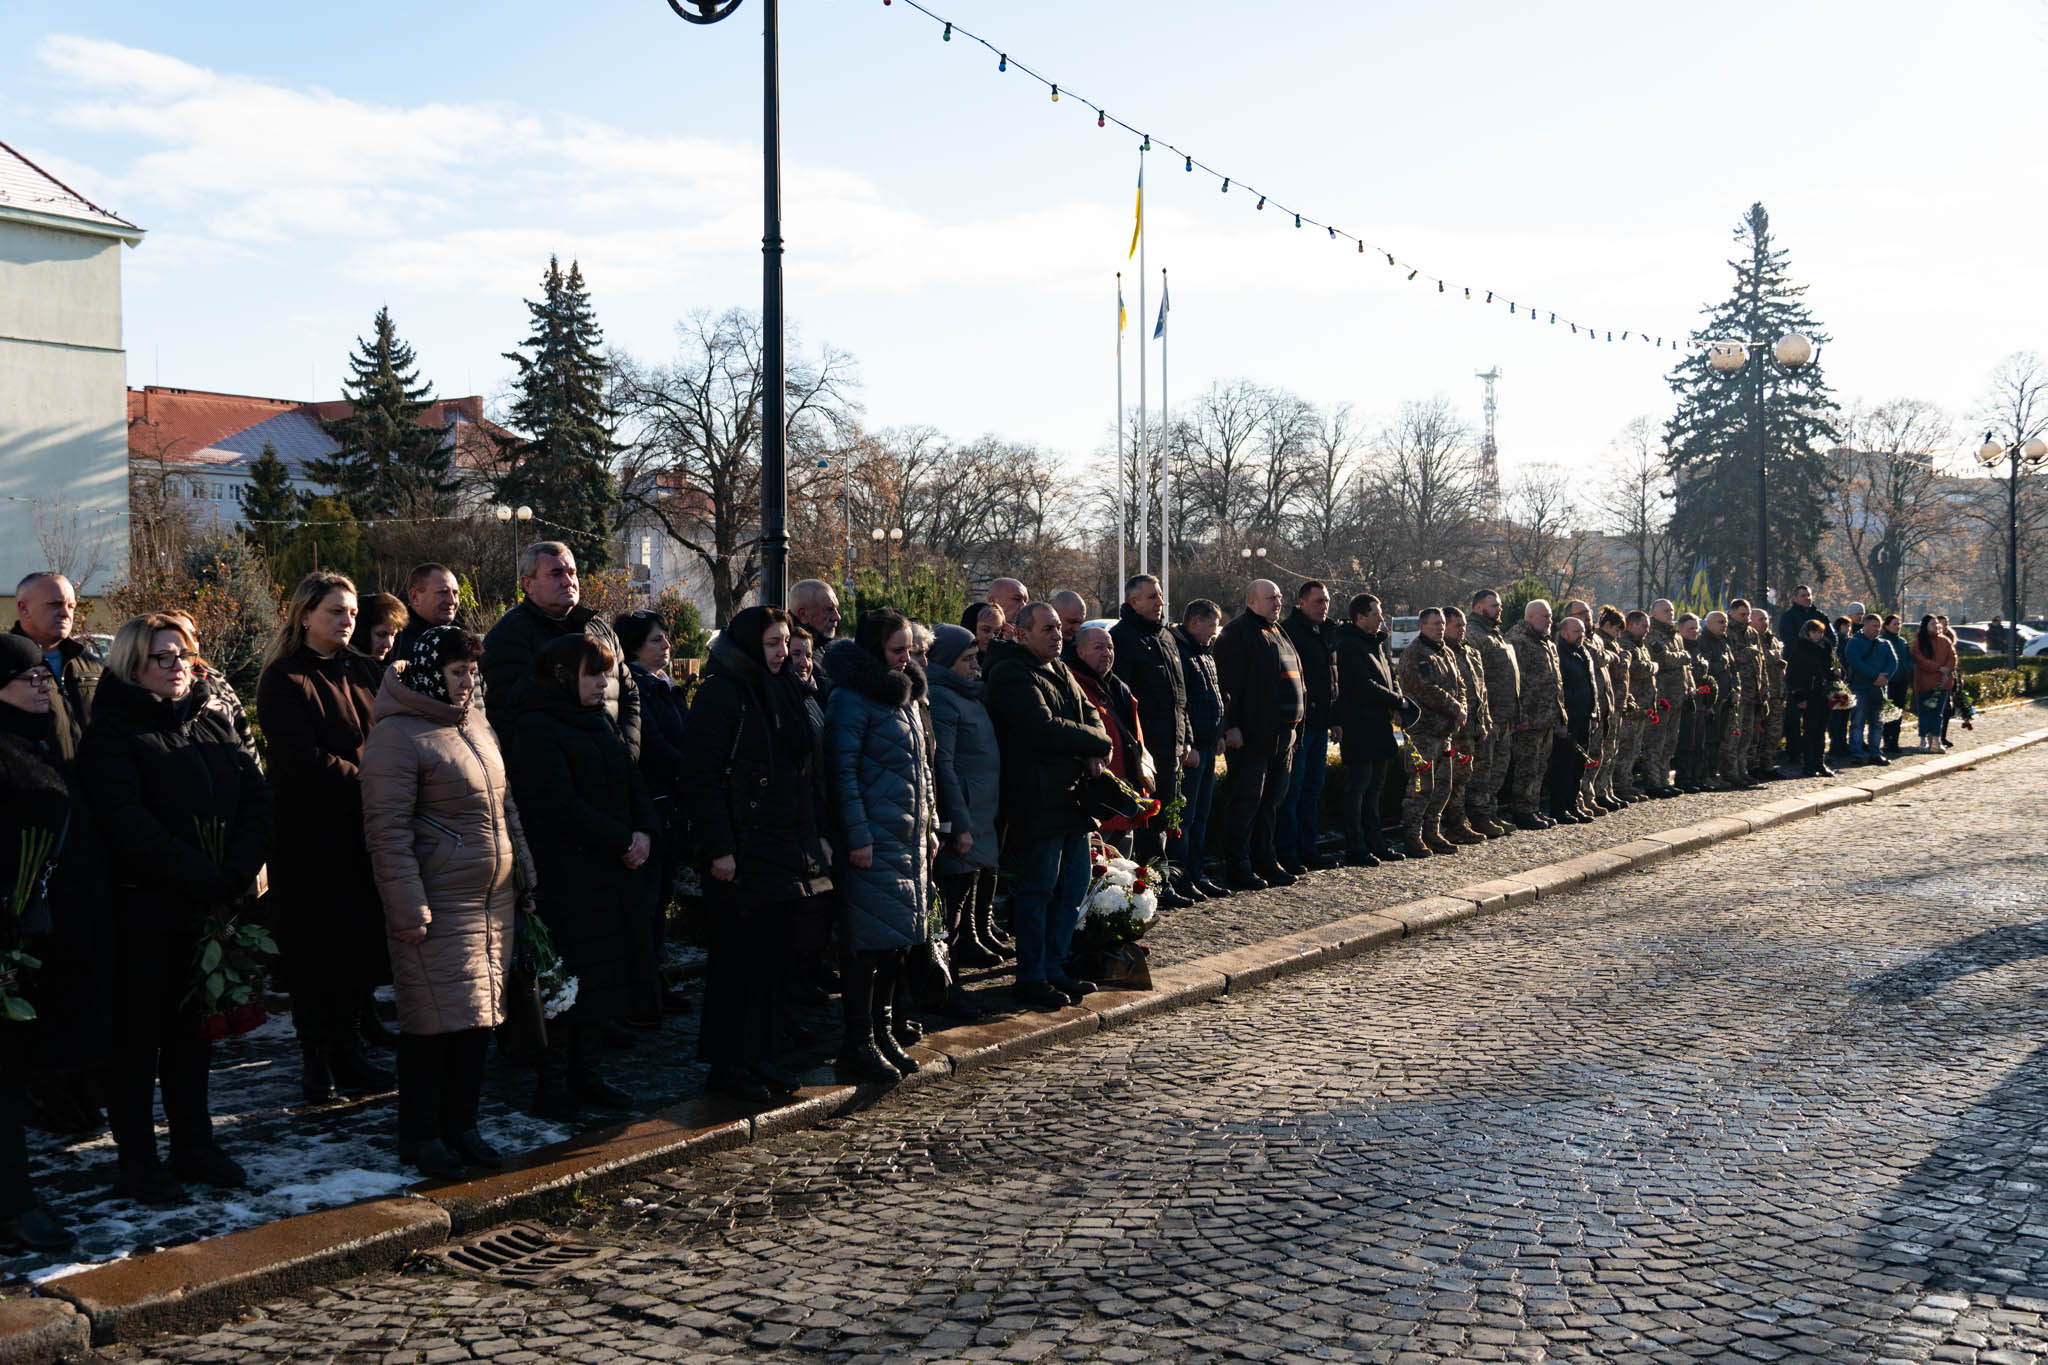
(1528,726)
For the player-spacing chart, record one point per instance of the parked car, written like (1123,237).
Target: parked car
(1979,634)
(1400,630)
(2035,647)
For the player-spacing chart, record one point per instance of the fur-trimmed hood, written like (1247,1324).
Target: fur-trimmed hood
(849,665)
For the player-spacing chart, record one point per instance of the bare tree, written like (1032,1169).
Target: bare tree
(1890,503)
(68,545)
(1542,515)
(1429,477)
(2014,410)
(694,462)
(1636,503)
(1328,509)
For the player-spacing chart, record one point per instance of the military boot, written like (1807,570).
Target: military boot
(1412,845)
(1456,826)
(1433,838)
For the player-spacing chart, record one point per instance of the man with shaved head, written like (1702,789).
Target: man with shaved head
(1010,595)
(1261,676)
(1542,717)
(1671,670)
(1072,609)
(46,608)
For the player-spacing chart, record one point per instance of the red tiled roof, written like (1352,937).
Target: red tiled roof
(189,426)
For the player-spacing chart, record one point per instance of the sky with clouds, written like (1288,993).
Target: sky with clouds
(959,233)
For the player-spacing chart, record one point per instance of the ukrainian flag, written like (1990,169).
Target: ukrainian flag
(1138,228)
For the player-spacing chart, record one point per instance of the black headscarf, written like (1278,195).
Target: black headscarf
(423,669)
(785,703)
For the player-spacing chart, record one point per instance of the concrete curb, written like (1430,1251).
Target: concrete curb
(206,1282)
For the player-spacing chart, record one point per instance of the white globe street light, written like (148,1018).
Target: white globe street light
(502,512)
(1727,356)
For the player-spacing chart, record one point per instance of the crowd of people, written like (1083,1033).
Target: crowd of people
(845,800)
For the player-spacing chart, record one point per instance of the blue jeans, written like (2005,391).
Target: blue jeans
(1189,852)
(1927,708)
(1294,829)
(1866,731)
(1052,876)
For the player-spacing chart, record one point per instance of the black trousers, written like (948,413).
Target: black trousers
(148,1052)
(1259,773)
(15,1194)
(1838,735)
(1561,783)
(746,979)
(440,1082)
(1363,779)
(1813,737)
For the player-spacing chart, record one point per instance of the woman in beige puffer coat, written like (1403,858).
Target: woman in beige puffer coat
(443,835)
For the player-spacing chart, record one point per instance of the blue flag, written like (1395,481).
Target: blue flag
(1160,330)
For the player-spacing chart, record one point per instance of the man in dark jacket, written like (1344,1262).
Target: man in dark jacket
(1265,701)
(1052,742)
(1313,635)
(1792,626)
(432,598)
(1809,678)
(1148,661)
(1195,636)
(1369,705)
(550,610)
(45,608)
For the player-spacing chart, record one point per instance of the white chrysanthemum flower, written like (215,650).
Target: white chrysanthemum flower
(1145,904)
(1123,881)
(1108,901)
(1123,865)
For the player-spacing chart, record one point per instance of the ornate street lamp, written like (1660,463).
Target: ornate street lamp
(774,584)
(1787,354)
(2033,453)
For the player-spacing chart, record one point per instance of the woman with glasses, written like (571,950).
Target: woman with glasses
(185,813)
(62,922)
(315,702)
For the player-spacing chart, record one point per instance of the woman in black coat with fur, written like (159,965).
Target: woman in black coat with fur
(590,824)
(752,785)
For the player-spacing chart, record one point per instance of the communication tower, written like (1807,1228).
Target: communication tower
(1489,452)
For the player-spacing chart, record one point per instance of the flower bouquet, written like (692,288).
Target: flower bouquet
(551,977)
(228,960)
(1119,907)
(1417,766)
(1889,713)
(32,868)
(1840,698)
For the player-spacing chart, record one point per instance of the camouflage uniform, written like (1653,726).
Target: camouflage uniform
(1472,737)
(1615,649)
(1724,720)
(1595,646)
(1698,741)
(1771,738)
(1504,707)
(1671,667)
(1429,677)
(1635,722)
(1746,651)
(1542,712)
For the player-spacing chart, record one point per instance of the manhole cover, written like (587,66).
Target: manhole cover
(520,1253)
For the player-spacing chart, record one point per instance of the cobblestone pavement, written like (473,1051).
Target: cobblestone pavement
(1778,1099)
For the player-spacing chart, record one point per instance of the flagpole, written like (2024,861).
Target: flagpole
(1144,415)
(1165,454)
(1122,526)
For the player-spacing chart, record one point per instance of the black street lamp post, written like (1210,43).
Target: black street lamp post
(1787,354)
(2033,454)
(774,581)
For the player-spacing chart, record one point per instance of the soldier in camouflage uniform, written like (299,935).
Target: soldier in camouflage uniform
(1613,776)
(1542,714)
(1429,677)
(1671,674)
(1642,695)
(1745,647)
(1472,736)
(1504,707)
(1696,745)
(1717,647)
(1771,740)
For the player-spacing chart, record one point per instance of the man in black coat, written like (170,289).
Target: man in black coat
(1148,661)
(1313,634)
(550,610)
(45,608)
(1809,677)
(1261,677)
(1195,636)
(1052,742)
(1369,705)
(1792,626)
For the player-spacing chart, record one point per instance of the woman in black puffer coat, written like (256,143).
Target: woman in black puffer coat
(752,781)
(590,824)
(163,770)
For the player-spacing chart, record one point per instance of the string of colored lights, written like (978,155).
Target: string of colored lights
(1103,118)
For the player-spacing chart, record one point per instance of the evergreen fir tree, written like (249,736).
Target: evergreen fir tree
(388,464)
(270,505)
(1712,435)
(562,465)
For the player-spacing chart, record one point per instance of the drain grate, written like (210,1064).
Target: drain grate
(520,1253)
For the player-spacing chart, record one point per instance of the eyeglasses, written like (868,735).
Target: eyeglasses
(39,678)
(171,658)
